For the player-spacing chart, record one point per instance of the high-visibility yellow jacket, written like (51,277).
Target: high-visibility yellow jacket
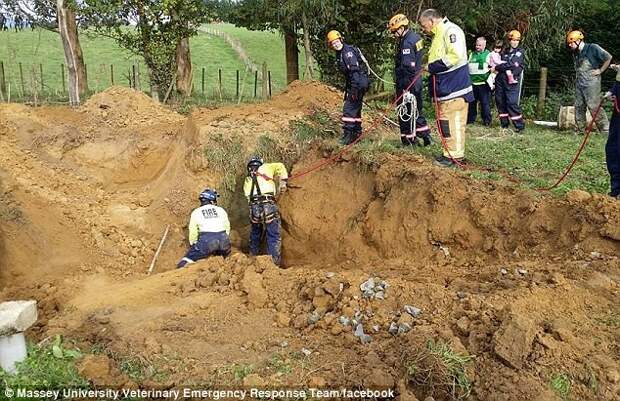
(447,62)
(265,178)
(207,219)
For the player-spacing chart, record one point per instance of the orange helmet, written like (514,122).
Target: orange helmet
(397,21)
(514,35)
(573,36)
(333,35)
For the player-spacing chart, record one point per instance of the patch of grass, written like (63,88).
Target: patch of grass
(271,150)
(561,384)
(225,154)
(538,157)
(280,364)
(47,366)
(241,371)
(441,369)
(263,47)
(317,125)
(41,49)
(611,319)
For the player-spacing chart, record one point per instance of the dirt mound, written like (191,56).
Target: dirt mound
(307,94)
(120,107)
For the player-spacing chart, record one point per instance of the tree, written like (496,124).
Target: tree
(67,27)
(155,29)
(58,16)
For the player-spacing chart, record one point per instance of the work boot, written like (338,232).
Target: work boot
(427,140)
(346,138)
(443,161)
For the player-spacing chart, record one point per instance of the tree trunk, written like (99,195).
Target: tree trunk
(309,71)
(184,68)
(73,52)
(292,56)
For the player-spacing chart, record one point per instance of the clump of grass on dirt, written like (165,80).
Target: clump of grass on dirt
(241,371)
(225,155)
(561,384)
(280,364)
(50,365)
(317,125)
(441,369)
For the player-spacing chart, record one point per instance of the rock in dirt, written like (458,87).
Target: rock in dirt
(404,393)
(317,382)
(613,376)
(253,381)
(412,310)
(513,340)
(578,196)
(379,378)
(359,333)
(253,285)
(99,369)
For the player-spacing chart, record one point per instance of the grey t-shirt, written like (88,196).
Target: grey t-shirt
(591,57)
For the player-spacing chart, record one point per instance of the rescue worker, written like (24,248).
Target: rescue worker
(507,83)
(260,190)
(449,83)
(591,61)
(479,72)
(612,147)
(209,230)
(352,64)
(407,64)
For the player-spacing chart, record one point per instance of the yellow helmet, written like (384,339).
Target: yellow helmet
(574,36)
(397,21)
(333,35)
(514,35)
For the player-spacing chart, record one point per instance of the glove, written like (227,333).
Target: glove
(283,186)
(607,95)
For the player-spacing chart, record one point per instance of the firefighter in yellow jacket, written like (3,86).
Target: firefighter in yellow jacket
(260,189)
(450,83)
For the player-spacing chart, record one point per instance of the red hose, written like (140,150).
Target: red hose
(583,144)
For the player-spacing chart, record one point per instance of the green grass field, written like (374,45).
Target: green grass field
(263,47)
(535,159)
(41,50)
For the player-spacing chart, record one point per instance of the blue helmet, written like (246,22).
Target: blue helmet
(254,163)
(208,196)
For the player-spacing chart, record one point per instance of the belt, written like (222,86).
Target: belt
(263,198)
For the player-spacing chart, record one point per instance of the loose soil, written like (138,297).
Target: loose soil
(524,284)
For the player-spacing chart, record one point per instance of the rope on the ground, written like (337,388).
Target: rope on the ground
(581,147)
(348,147)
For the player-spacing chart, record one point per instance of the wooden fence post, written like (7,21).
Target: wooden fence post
(2,78)
(542,92)
(255,82)
(41,73)
(219,74)
(203,81)
(133,72)
(21,79)
(237,92)
(264,88)
(62,74)
(112,74)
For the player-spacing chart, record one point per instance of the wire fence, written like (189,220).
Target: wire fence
(41,83)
